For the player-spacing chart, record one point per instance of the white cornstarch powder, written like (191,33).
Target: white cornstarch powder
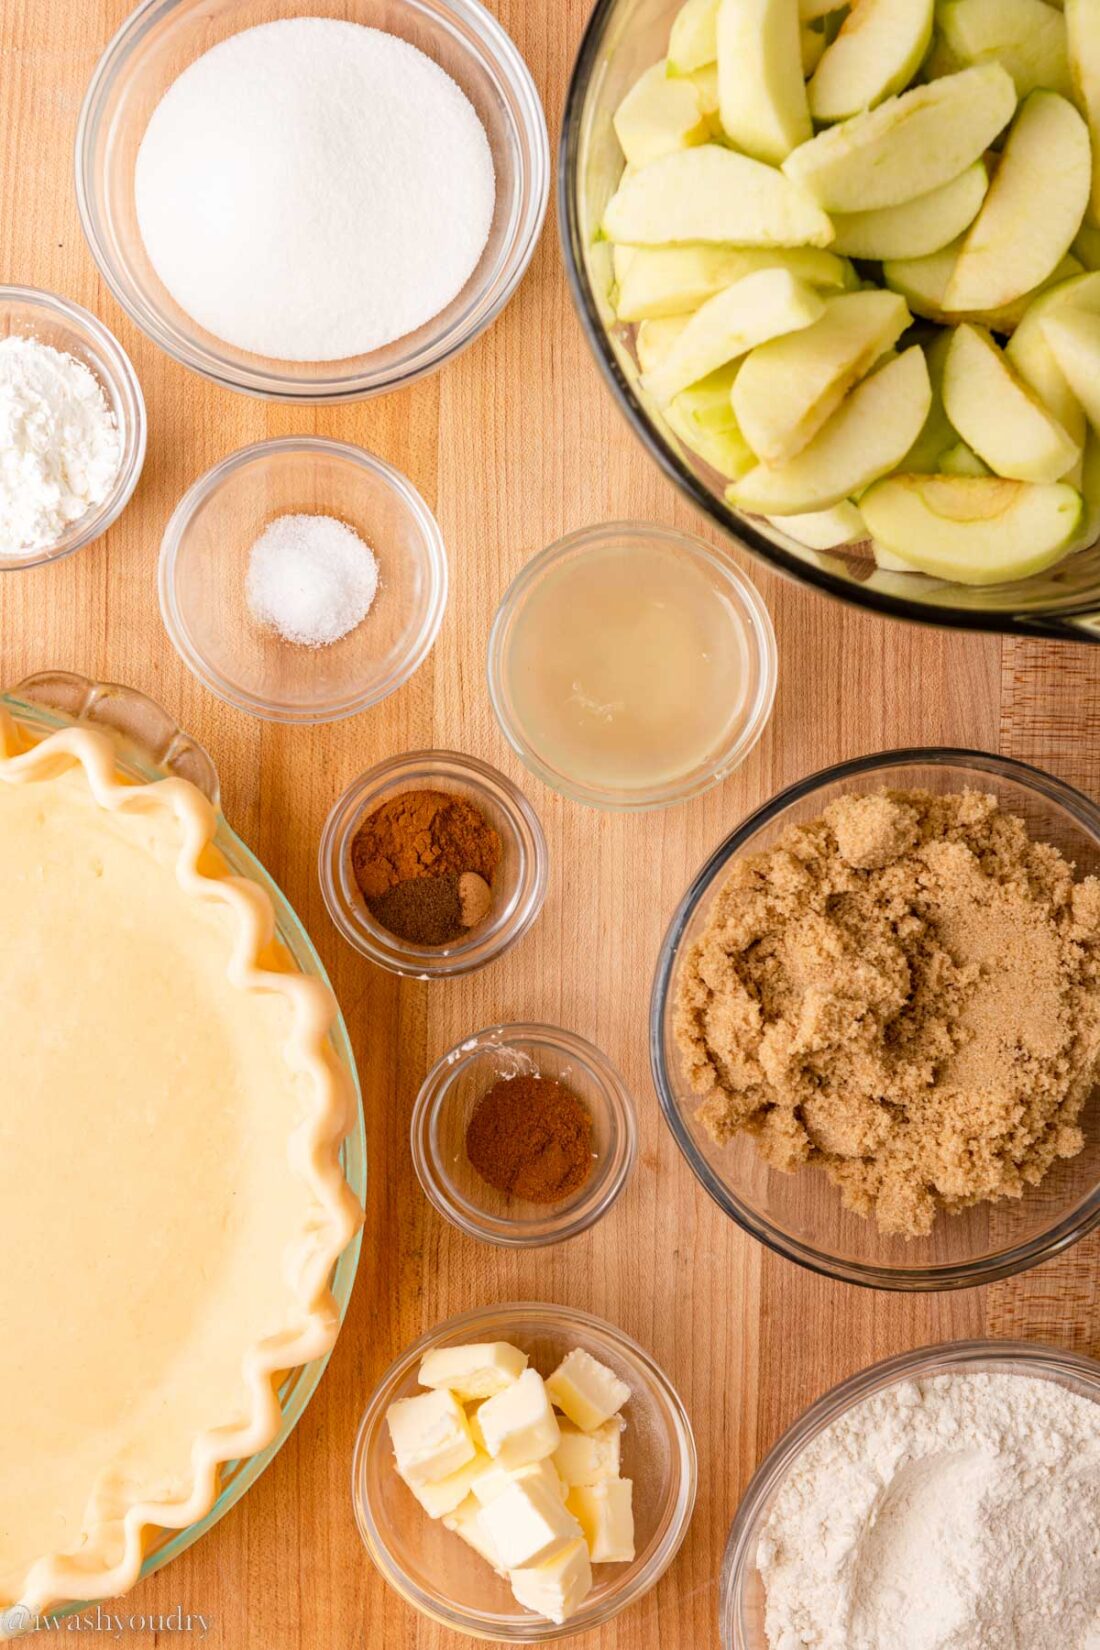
(957,1513)
(310,578)
(312,189)
(59,444)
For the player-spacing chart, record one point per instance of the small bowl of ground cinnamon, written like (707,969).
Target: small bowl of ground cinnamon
(433,864)
(523,1135)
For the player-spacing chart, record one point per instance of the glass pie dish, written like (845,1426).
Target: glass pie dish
(150,746)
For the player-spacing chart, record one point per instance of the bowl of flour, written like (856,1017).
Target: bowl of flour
(948,1499)
(312,207)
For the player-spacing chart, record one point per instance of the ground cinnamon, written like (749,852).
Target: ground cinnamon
(531,1138)
(424,862)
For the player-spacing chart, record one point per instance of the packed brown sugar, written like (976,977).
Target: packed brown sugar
(906,993)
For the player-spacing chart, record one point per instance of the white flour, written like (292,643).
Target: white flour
(59,444)
(312,189)
(958,1513)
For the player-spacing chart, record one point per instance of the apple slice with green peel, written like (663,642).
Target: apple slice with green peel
(762,95)
(673,280)
(788,388)
(879,49)
(1027,37)
(1032,357)
(703,418)
(868,436)
(734,321)
(923,284)
(658,116)
(1083,30)
(961,460)
(693,38)
(1033,209)
(909,145)
(918,227)
(1087,245)
(999,415)
(654,340)
(1073,336)
(973,529)
(824,529)
(712,195)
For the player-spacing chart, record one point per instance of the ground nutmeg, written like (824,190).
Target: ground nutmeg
(531,1137)
(424,861)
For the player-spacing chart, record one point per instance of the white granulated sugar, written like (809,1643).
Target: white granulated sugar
(311,579)
(59,444)
(957,1513)
(312,189)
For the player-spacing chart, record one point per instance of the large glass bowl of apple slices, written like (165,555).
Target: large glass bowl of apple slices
(841,266)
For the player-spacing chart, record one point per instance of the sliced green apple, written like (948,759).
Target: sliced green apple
(703,418)
(762,95)
(1027,37)
(1031,355)
(673,280)
(867,436)
(999,415)
(1073,336)
(878,51)
(918,227)
(923,283)
(909,145)
(813,42)
(1087,245)
(961,460)
(1033,209)
(710,194)
(788,388)
(705,81)
(693,38)
(972,529)
(1083,29)
(824,529)
(734,321)
(654,340)
(658,116)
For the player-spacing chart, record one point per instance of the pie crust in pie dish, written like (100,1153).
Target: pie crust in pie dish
(172,1203)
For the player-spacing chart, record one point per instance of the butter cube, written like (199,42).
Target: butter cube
(471,1372)
(489,1484)
(465,1521)
(474,1424)
(558,1587)
(430,1437)
(527,1523)
(586,1390)
(605,1512)
(518,1424)
(587,1457)
(445,1494)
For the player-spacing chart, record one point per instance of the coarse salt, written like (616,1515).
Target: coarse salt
(311,189)
(310,578)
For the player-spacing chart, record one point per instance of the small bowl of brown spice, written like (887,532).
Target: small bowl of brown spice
(523,1135)
(433,864)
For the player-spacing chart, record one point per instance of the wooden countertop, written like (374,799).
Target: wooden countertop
(513,444)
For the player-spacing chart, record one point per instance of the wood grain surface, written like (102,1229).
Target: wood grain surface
(514,444)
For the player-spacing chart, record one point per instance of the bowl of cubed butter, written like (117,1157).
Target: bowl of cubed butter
(523,1473)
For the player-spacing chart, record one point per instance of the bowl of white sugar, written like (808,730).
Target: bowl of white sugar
(302,580)
(72,428)
(312,208)
(946,1498)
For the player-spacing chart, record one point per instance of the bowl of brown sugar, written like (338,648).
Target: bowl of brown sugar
(433,864)
(523,1135)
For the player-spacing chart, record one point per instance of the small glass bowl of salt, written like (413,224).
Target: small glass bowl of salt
(302,580)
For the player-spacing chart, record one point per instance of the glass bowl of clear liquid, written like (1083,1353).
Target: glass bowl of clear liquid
(632,666)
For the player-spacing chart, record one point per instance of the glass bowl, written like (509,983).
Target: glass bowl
(519,887)
(623,38)
(27,312)
(436,1572)
(162,37)
(741,1589)
(743,609)
(204,562)
(800,1215)
(152,746)
(446,1102)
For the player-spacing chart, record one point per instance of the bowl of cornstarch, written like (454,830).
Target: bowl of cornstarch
(948,1499)
(302,580)
(72,428)
(312,208)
